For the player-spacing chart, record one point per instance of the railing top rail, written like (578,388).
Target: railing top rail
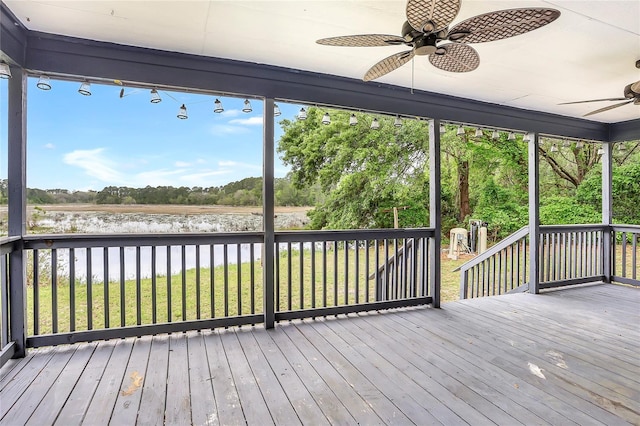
(8,244)
(626,228)
(520,233)
(346,235)
(43,241)
(549,229)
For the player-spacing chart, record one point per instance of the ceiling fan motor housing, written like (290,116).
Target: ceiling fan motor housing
(425,45)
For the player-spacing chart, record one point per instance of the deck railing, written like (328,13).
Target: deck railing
(7,346)
(569,254)
(330,272)
(625,267)
(87,287)
(90,287)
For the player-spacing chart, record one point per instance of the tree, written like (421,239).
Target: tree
(362,171)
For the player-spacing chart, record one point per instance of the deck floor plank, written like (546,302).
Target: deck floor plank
(125,410)
(55,399)
(76,405)
(154,388)
(226,396)
(327,401)
(301,400)
(38,388)
(203,404)
(477,362)
(178,402)
(104,398)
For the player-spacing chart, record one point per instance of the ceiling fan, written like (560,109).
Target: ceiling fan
(631,94)
(427,28)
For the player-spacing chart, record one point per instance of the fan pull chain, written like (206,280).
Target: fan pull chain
(413,63)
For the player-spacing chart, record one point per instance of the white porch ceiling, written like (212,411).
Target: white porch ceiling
(588,53)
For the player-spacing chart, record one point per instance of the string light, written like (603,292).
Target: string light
(155,97)
(495,134)
(85,88)
(398,121)
(554,148)
(44,83)
(302,115)
(217,106)
(478,132)
(276,110)
(326,119)
(5,71)
(375,124)
(460,131)
(511,137)
(182,112)
(353,120)
(247,106)
(442,128)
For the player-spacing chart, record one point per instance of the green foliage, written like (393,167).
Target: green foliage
(560,210)
(499,207)
(625,188)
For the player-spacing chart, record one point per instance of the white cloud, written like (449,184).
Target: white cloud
(251,121)
(182,164)
(49,146)
(230,113)
(201,161)
(95,164)
(228,129)
(236,164)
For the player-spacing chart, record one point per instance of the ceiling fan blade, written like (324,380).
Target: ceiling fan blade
(439,12)
(457,58)
(501,24)
(593,100)
(608,108)
(362,40)
(388,64)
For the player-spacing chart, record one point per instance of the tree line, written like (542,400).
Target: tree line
(245,192)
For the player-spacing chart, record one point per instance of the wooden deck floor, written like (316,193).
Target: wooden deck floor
(566,357)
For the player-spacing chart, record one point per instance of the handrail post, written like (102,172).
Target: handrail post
(607,211)
(268,203)
(464,283)
(534,214)
(435,206)
(17,207)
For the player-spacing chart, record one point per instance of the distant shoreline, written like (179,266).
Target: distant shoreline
(160,208)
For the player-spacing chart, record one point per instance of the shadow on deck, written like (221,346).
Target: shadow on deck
(568,356)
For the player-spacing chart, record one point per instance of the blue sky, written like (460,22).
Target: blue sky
(88,142)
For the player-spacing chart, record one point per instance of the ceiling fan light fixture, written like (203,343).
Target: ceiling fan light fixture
(182,112)
(302,115)
(5,70)
(326,119)
(353,120)
(217,106)
(155,97)
(247,106)
(460,131)
(85,88)
(44,83)
(495,134)
(276,110)
(398,121)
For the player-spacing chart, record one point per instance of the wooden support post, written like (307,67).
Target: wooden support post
(534,214)
(435,207)
(268,203)
(17,206)
(607,210)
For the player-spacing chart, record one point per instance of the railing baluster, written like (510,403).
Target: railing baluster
(239,276)
(138,288)
(154,283)
(634,260)
(356,273)
(346,272)
(324,274)
(624,254)
(212,279)
(89,284)
(72,290)
(377,272)
(225,259)
(277,273)
(253,277)
(198,289)
(289,280)
(54,290)
(169,307)
(183,281)
(123,319)
(105,283)
(36,294)
(301,273)
(313,274)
